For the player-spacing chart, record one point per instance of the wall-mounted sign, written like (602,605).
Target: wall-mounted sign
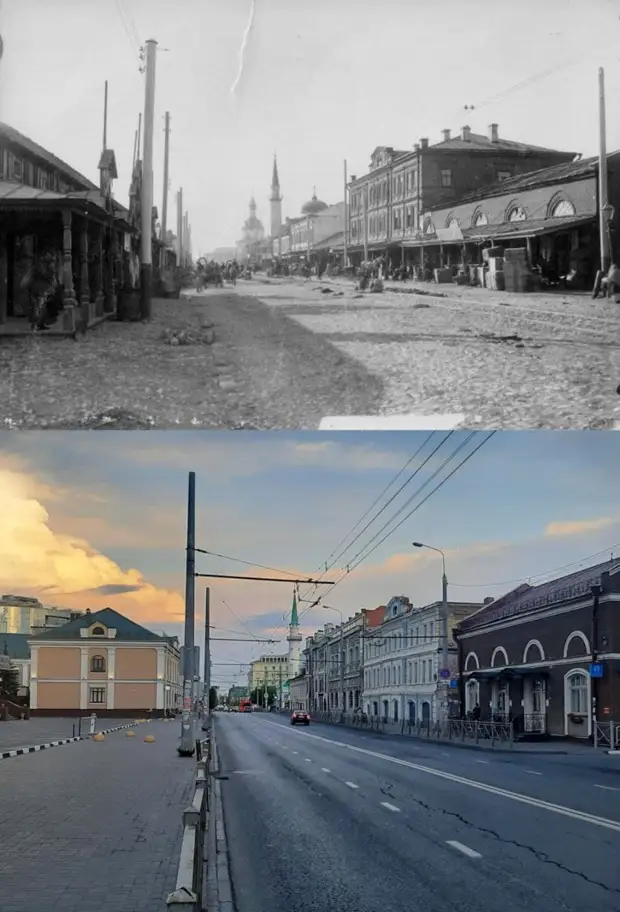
(596,670)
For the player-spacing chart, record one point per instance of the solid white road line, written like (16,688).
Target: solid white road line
(464,849)
(413,422)
(352,785)
(582,816)
(608,788)
(390,807)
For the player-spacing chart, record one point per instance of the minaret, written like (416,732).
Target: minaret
(294,642)
(276,203)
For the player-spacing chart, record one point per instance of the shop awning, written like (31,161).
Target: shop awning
(526,228)
(15,197)
(507,672)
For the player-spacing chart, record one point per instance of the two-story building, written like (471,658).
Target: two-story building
(546,657)
(57,224)
(402,662)
(104,663)
(387,205)
(553,213)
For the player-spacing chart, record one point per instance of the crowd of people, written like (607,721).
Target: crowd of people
(210,272)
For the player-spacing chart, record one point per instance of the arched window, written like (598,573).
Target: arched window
(562,209)
(517,214)
(97,664)
(578,701)
(480,218)
(452,223)
(98,632)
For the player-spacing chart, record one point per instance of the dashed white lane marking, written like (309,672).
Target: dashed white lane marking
(325,770)
(390,807)
(445,754)
(308,760)
(295,752)
(608,788)
(352,785)
(533,772)
(413,422)
(464,849)
(483,761)
(582,816)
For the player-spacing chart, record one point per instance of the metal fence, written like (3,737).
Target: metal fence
(451,730)
(607,735)
(190,884)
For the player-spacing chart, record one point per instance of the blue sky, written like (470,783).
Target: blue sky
(86,515)
(321,82)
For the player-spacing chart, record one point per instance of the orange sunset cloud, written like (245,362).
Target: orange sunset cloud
(58,567)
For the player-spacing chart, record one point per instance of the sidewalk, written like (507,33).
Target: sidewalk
(94,827)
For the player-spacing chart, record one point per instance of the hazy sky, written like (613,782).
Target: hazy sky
(94,519)
(321,82)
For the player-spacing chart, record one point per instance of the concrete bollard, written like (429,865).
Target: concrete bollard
(149,739)
(130,734)
(99,737)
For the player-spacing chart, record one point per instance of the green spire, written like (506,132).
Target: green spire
(294,618)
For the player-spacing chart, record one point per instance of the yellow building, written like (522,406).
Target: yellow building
(268,671)
(106,664)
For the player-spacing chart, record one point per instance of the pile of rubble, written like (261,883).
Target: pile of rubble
(203,336)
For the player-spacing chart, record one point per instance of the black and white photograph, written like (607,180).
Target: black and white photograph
(325,616)
(272,214)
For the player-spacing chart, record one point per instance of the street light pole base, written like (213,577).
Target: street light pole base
(186,751)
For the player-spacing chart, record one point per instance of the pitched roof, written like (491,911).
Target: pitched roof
(11,135)
(15,645)
(568,171)
(478,142)
(125,628)
(530,598)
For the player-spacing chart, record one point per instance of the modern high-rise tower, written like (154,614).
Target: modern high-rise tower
(294,642)
(276,202)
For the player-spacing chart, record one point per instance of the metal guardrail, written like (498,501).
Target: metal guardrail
(607,735)
(451,730)
(190,883)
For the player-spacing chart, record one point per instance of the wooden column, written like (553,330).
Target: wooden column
(98,291)
(69,299)
(4,273)
(84,283)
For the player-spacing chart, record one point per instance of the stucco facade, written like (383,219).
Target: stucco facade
(106,664)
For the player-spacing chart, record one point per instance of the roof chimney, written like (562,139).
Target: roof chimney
(493,134)
(488,600)
(417,147)
(465,131)
(446,135)
(424,143)
(353,177)
(88,611)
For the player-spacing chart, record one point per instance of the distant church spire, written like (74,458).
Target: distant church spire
(276,205)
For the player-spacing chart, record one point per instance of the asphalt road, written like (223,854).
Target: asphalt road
(323,818)
(94,827)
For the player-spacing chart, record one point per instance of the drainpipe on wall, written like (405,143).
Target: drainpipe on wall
(461,680)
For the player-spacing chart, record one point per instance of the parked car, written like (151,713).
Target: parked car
(299,717)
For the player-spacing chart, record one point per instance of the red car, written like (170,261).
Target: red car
(299,717)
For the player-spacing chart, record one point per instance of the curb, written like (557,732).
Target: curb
(20,751)
(219,883)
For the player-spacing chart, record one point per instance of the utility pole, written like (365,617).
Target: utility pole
(342,704)
(444,637)
(207,656)
(187,746)
(146,202)
(181,239)
(346,219)
(366,223)
(603,200)
(164,205)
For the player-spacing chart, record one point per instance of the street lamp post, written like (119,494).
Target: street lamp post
(444,614)
(341,661)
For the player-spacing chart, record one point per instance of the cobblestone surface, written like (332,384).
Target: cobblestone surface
(94,827)
(503,360)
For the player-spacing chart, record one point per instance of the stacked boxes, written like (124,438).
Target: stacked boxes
(517,273)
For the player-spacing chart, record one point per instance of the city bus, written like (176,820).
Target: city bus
(245,706)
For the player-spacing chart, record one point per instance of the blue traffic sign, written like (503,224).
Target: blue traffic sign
(444,673)
(454,683)
(596,670)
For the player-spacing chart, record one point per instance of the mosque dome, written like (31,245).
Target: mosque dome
(313,206)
